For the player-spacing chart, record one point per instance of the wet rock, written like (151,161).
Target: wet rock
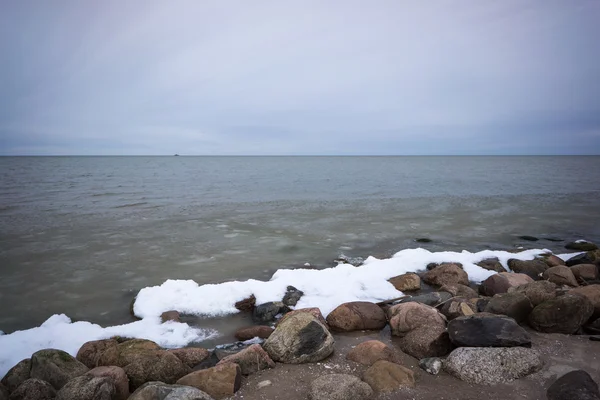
(581,245)
(301,338)
(585,273)
(90,352)
(55,367)
(246,304)
(355,316)
(537,292)
(446,274)
(529,238)
(369,352)
(491,264)
(514,305)
(423,240)
(33,389)
(339,387)
(314,311)
(552,261)
(584,258)
(491,365)
(17,375)
(292,296)
(266,312)
(430,299)
(355,261)
(501,282)
(564,314)
(250,360)
(87,387)
(431,365)
(457,308)
(575,385)
(190,356)
(483,330)
(158,366)
(219,382)
(170,316)
(117,376)
(531,268)
(458,290)
(162,391)
(385,376)
(592,292)
(260,331)
(406,282)
(560,275)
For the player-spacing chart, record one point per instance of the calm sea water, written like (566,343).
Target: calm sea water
(81,235)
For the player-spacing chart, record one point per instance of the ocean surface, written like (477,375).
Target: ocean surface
(82,235)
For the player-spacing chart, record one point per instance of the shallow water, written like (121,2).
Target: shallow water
(81,235)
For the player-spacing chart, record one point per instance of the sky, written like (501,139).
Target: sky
(323,77)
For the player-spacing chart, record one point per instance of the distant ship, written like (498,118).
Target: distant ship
(176,155)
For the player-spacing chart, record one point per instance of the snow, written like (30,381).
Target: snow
(568,256)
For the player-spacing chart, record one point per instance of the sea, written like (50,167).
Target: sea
(82,235)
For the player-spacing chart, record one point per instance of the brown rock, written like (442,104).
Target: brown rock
(119,378)
(446,274)
(219,382)
(385,376)
(369,352)
(261,331)
(356,315)
(246,304)
(515,305)
(501,282)
(55,367)
(90,352)
(33,389)
(126,352)
(170,316)
(251,359)
(537,292)
(191,356)
(425,342)
(491,264)
(314,311)
(406,282)
(457,308)
(561,275)
(553,261)
(458,290)
(405,317)
(155,365)
(564,314)
(592,292)
(532,268)
(17,375)
(585,272)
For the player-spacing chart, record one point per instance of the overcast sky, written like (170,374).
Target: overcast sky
(300,77)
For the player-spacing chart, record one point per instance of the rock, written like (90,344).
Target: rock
(581,245)
(457,308)
(501,282)
(574,385)
(385,376)
(263,384)
(250,360)
(87,387)
(227,350)
(490,365)
(17,375)
(356,316)
(593,326)
(191,356)
(561,275)
(491,264)
(162,391)
(118,377)
(531,268)
(266,312)
(314,311)
(564,314)
(246,304)
(301,338)
(446,274)
(170,316)
(157,366)
(55,367)
(90,352)
(458,290)
(33,389)
(369,352)
(425,342)
(592,292)
(487,330)
(430,299)
(585,272)
(339,387)
(584,258)
(529,238)
(431,365)
(212,360)
(423,240)
(552,261)
(260,331)
(515,305)
(355,261)
(406,282)
(292,296)
(537,292)
(478,304)
(219,382)
(126,352)
(3,392)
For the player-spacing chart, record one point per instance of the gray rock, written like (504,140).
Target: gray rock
(481,365)
(266,312)
(87,387)
(537,292)
(162,391)
(33,389)
(339,387)
(55,367)
(292,296)
(564,314)
(3,392)
(575,385)
(487,331)
(17,375)
(431,365)
(584,258)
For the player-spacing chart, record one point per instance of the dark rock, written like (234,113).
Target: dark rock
(491,264)
(532,268)
(292,296)
(3,392)
(226,350)
(458,290)
(553,239)
(501,282)
(370,351)
(385,376)
(339,387)
(423,240)
(529,238)
(581,245)
(212,360)
(446,274)
(355,316)
(118,377)
(355,261)
(250,360)
(564,314)
(246,304)
(457,307)
(55,367)
(267,312)
(17,375)
(585,273)
(190,356)
(487,331)
(260,331)
(584,258)
(537,292)
(592,292)
(575,385)
(219,382)
(552,261)
(87,387)
(33,389)
(162,391)
(560,275)
(431,365)
(170,316)
(406,282)
(430,299)
(515,305)
(90,352)
(593,327)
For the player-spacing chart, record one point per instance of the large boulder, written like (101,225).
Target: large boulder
(491,365)
(314,311)
(537,292)
(406,282)
(301,338)
(457,307)
(531,268)
(581,245)
(561,275)
(162,391)
(501,282)
(33,389)
(585,272)
(87,387)
(487,330)
(17,375)
(574,385)
(251,359)
(90,352)
(515,305)
(592,292)
(356,316)
(267,312)
(260,331)
(564,314)
(385,376)
(219,382)
(126,352)
(339,387)
(446,274)
(55,367)
(191,356)
(370,351)
(118,376)
(160,366)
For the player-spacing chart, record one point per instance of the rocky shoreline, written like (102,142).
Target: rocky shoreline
(528,333)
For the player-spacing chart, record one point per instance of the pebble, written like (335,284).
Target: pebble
(263,384)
